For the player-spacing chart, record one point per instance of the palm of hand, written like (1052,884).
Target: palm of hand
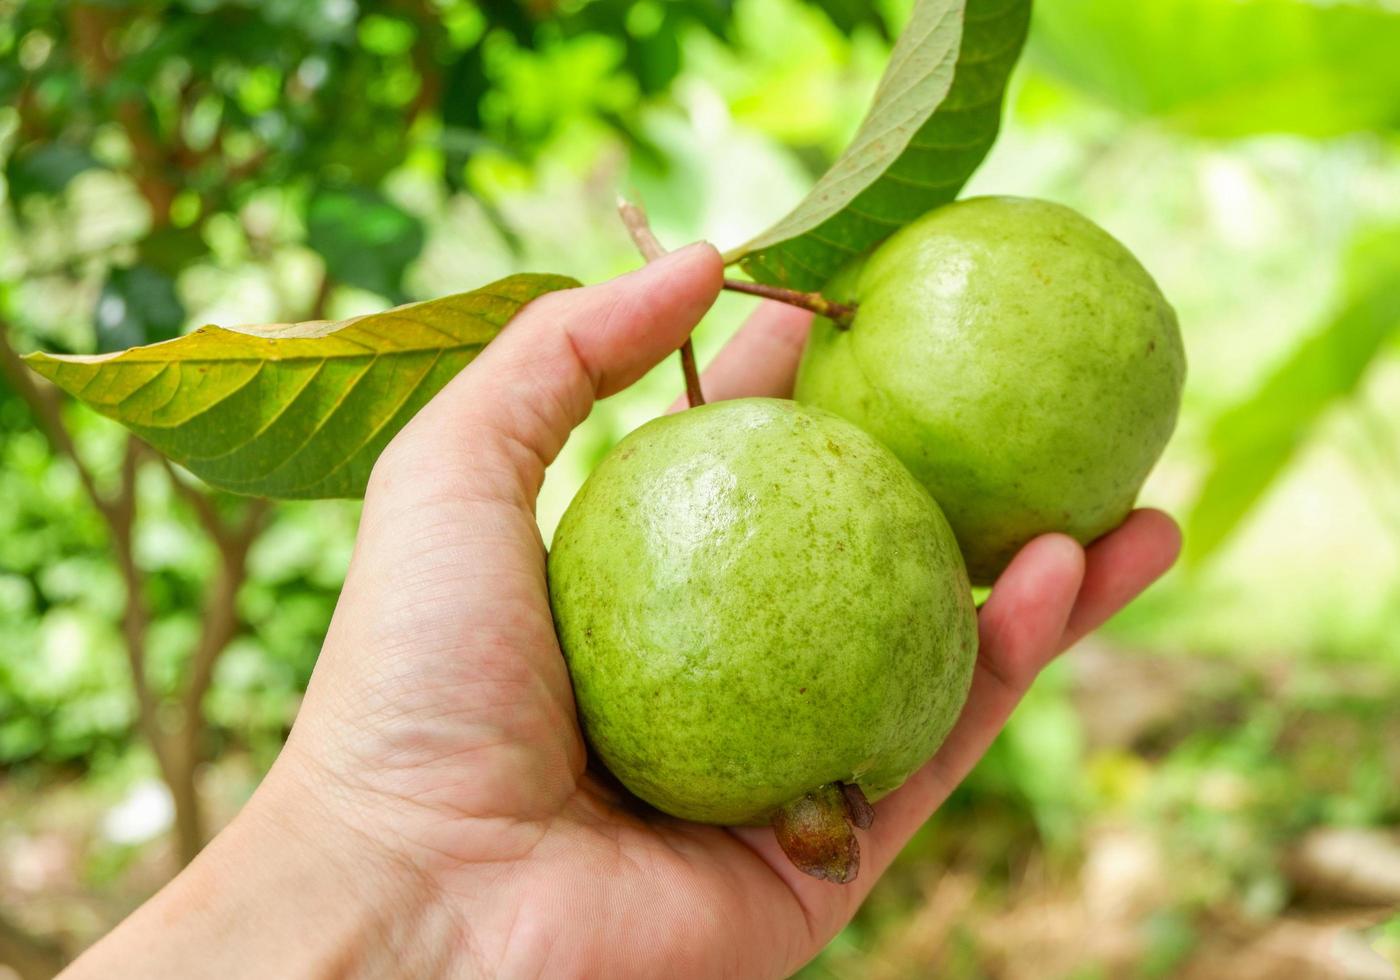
(442,708)
(472,749)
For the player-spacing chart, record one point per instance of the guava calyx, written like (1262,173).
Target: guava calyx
(817,831)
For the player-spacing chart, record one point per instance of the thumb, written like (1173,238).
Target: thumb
(506,416)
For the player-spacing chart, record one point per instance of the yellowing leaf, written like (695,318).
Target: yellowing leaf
(293,410)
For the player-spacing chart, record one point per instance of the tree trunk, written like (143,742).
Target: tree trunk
(30,957)
(184,792)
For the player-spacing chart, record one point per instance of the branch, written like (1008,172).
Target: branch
(841,314)
(429,92)
(199,502)
(88,28)
(635,218)
(31,957)
(322,297)
(47,408)
(136,617)
(220,612)
(119,514)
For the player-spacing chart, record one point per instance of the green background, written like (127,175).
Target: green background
(1188,793)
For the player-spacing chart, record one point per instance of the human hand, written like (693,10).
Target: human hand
(433,812)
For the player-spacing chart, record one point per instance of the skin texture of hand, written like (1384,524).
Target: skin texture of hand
(433,813)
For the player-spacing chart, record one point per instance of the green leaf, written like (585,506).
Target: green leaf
(935,116)
(137,306)
(1252,442)
(293,410)
(1230,69)
(365,239)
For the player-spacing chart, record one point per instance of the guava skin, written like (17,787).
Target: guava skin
(756,598)
(1017,358)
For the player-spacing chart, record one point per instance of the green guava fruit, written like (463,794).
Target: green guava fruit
(766,619)
(1017,358)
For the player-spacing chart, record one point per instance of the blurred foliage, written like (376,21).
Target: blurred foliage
(65,694)
(157,154)
(1232,69)
(239,161)
(1253,441)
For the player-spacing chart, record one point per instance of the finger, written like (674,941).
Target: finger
(1019,630)
(446,592)
(760,359)
(1045,601)
(512,408)
(1120,565)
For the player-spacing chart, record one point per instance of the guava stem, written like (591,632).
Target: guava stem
(840,314)
(693,395)
(634,217)
(816,831)
(858,808)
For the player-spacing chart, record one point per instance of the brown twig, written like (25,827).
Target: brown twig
(46,407)
(200,503)
(220,623)
(219,626)
(425,63)
(152,162)
(176,748)
(118,513)
(634,217)
(136,615)
(175,739)
(322,299)
(30,957)
(840,314)
(694,394)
